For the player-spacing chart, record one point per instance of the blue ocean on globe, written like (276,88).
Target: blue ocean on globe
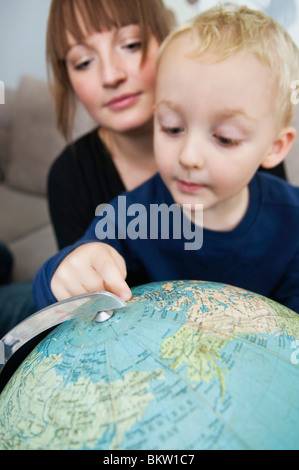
(185,365)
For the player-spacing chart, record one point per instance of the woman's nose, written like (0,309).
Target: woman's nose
(113,71)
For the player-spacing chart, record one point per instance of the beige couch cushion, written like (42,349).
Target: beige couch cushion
(31,251)
(6,116)
(35,141)
(4,143)
(21,213)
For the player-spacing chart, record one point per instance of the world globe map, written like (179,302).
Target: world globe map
(185,365)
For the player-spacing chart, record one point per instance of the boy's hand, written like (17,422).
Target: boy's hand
(91,268)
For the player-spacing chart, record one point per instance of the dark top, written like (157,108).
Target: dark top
(83,177)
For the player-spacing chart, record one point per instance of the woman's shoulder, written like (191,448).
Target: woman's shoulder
(84,145)
(85,151)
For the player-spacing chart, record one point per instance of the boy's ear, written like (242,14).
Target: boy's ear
(280,148)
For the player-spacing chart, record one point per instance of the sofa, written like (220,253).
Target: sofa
(29,142)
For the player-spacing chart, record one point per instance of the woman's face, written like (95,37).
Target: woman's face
(109,78)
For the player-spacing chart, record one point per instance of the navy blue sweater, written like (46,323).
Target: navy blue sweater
(261,254)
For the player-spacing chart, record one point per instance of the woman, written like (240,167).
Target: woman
(103,54)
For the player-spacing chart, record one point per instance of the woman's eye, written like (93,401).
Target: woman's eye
(226,141)
(133,46)
(82,65)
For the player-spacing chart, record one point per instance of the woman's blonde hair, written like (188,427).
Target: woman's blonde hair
(81,17)
(227,29)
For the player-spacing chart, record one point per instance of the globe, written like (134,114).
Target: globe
(185,365)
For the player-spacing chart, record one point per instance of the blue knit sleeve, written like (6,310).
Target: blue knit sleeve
(42,293)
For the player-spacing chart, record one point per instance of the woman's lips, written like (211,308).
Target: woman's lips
(188,187)
(123,101)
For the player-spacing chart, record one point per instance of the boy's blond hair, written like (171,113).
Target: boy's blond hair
(227,29)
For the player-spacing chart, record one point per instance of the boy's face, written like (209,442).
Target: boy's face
(214,126)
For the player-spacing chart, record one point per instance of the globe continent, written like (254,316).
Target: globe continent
(186,365)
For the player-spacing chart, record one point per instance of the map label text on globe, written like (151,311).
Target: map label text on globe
(136,221)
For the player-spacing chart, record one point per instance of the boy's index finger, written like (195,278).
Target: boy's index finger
(115,283)
(113,272)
